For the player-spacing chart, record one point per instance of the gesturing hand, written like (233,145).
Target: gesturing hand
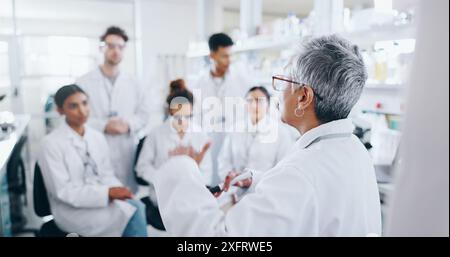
(190,151)
(245,183)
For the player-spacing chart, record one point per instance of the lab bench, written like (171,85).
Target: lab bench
(6,149)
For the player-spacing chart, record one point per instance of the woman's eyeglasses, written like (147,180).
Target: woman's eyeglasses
(182,117)
(281,83)
(259,101)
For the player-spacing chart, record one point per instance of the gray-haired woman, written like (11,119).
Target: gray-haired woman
(326,186)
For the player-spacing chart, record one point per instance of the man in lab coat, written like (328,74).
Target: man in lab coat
(118,104)
(220,80)
(325,186)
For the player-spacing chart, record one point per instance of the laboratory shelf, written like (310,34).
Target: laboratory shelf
(264,42)
(256,43)
(381,33)
(384,87)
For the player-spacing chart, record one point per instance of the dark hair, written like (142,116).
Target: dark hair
(64,92)
(262,89)
(113,30)
(219,40)
(178,90)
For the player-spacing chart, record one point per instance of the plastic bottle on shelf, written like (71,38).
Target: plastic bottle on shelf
(393,65)
(292,25)
(381,68)
(404,61)
(370,65)
(278,28)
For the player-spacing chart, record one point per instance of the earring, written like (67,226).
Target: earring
(299,112)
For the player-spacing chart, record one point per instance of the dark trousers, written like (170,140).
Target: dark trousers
(152,214)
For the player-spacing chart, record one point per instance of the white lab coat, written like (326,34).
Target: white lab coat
(326,186)
(127,98)
(260,148)
(78,199)
(235,84)
(163,139)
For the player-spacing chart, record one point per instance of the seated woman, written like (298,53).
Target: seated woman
(85,197)
(264,143)
(177,134)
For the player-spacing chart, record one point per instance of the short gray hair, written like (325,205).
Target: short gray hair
(335,70)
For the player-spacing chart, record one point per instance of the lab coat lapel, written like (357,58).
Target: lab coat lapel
(262,131)
(116,92)
(76,139)
(330,129)
(174,140)
(113,90)
(81,145)
(263,126)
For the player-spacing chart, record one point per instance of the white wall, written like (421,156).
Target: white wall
(68,17)
(167,28)
(420,205)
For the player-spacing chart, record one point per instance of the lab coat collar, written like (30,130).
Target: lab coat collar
(173,133)
(76,139)
(169,129)
(101,75)
(262,126)
(342,127)
(211,76)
